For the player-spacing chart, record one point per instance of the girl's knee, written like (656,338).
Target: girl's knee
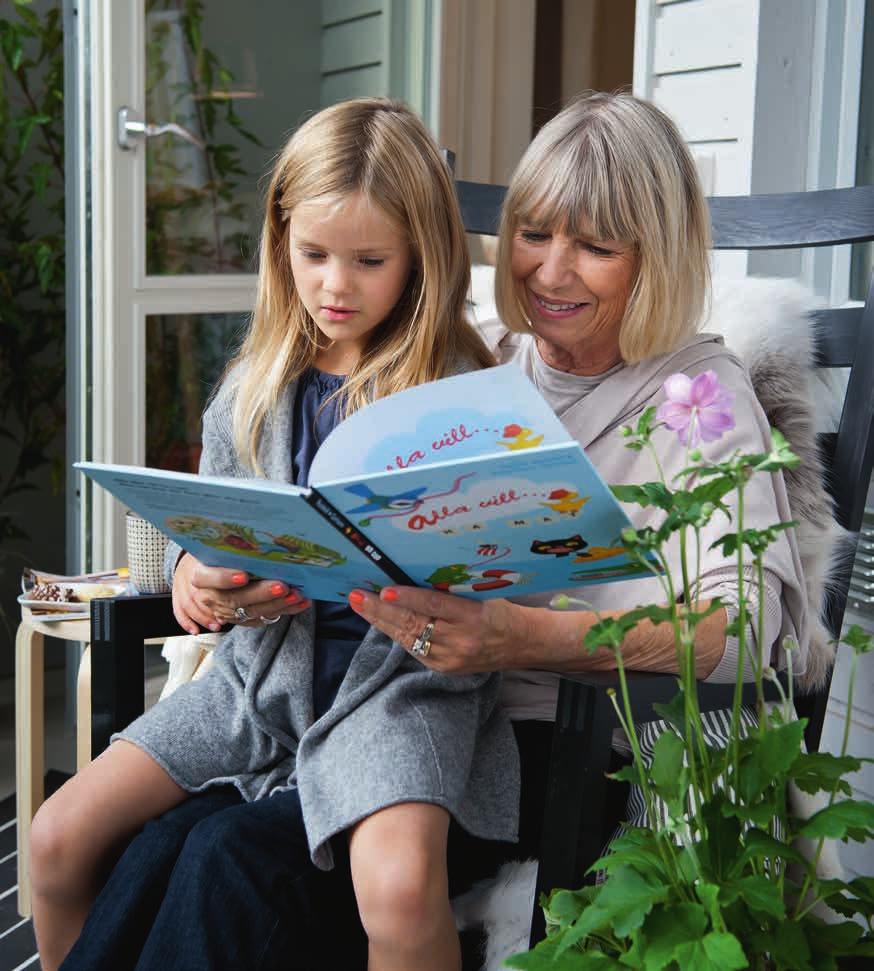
(55,847)
(397,893)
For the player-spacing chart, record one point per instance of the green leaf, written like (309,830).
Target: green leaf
(669,928)
(668,776)
(716,951)
(770,758)
(823,772)
(622,904)
(856,638)
(647,495)
(847,819)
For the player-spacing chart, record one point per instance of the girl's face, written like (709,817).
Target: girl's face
(574,288)
(350,266)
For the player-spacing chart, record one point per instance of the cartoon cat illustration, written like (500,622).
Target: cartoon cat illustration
(559,547)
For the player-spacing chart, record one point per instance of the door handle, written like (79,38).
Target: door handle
(130,127)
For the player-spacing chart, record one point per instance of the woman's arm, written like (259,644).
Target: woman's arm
(497,635)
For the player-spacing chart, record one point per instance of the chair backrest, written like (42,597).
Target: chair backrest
(844,336)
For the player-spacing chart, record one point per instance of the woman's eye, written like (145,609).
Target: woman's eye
(312,254)
(371,261)
(532,236)
(598,250)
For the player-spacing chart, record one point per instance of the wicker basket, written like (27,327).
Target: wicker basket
(145,555)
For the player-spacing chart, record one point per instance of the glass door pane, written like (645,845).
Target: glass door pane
(185,357)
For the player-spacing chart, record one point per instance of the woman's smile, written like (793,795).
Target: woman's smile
(554,307)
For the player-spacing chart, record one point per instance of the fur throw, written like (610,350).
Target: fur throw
(767,322)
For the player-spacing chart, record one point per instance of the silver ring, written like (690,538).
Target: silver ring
(241,616)
(422,644)
(269,620)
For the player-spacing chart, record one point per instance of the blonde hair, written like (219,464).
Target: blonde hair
(382,150)
(618,163)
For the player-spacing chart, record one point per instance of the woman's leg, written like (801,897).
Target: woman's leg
(245,894)
(398,859)
(121,918)
(78,834)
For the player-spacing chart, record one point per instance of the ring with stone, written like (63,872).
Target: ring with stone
(422,644)
(241,616)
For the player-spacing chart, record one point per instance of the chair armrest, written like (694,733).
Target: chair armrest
(119,628)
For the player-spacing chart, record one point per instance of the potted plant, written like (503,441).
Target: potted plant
(723,885)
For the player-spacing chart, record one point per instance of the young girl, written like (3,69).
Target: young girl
(362,284)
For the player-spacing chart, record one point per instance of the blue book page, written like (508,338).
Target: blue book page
(488,412)
(266,528)
(520,522)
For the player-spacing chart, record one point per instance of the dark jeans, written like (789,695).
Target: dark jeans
(217,884)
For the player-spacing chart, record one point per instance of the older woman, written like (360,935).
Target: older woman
(602,280)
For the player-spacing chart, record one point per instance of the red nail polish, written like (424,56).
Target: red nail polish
(293,597)
(277,589)
(356,598)
(390,595)
(239,578)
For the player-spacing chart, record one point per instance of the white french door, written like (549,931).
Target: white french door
(183,104)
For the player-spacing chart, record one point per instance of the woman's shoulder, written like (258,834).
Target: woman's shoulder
(504,343)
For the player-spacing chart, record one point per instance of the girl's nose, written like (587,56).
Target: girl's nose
(336,277)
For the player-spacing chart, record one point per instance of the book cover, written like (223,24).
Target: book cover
(469,484)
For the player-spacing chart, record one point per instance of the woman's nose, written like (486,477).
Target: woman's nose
(555,268)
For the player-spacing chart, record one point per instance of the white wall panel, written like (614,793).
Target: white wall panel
(708,107)
(702,35)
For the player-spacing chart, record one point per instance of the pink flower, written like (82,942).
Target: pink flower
(698,409)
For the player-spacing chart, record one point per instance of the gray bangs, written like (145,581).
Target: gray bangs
(579,186)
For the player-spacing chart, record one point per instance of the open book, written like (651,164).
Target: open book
(469,484)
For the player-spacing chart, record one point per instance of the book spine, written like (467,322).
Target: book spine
(357,538)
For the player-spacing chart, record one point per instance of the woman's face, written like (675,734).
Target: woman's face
(574,288)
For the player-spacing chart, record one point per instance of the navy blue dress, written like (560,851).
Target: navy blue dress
(339,630)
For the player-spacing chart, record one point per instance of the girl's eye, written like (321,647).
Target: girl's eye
(371,261)
(532,236)
(312,254)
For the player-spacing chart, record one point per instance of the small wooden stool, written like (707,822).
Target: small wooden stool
(30,723)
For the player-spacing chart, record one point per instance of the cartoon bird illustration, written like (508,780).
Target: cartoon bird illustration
(521,438)
(401,502)
(565,502)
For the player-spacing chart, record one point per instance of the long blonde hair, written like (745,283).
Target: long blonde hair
(381,149)
(620,163)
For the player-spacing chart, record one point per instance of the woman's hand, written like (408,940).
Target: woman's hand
(464,637)
(206,596)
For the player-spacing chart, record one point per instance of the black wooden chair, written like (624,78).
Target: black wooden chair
(577,819)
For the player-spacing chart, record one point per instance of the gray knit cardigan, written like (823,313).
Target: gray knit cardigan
(397,732)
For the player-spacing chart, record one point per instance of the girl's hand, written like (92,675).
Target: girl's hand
(206,596)
(466,636)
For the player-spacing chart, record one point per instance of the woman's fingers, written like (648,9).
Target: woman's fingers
(447,633)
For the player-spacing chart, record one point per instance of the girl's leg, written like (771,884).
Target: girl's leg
(398,859)
(79,833)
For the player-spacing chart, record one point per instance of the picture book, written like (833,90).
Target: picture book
(469,484)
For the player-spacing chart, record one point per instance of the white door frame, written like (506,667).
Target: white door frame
(113,332)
